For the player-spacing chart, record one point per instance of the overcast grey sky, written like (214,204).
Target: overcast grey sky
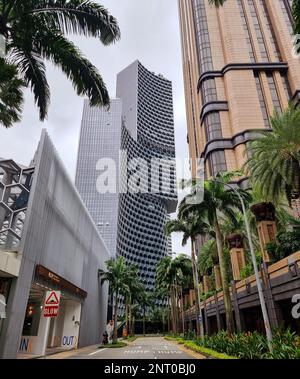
(150,33)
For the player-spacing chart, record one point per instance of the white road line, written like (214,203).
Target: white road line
(98,351)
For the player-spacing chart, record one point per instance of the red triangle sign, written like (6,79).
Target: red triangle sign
(52,299)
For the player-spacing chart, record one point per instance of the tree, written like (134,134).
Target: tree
(11,94)
(296,17)
(133,292)
(35,31)
(208,257)
(218,200)
(146,299)
(191,226)
(116,275)
(165,278)
(274,165)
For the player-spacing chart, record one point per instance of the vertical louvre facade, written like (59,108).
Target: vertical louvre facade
(238,69)
(100,138)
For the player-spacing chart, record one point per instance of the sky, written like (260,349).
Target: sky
(150,33)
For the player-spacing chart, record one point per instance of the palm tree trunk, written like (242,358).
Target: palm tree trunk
(126,314)
(224,277)
(115,335)
(196,288)
(144,321)
(133,326)
(169,315)
(130,316)
(182,311)
(173,310)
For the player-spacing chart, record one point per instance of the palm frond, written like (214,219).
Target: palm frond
(33,71)
(11,94)
(76,17)
(84,76)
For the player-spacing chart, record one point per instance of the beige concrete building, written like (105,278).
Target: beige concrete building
(239,65)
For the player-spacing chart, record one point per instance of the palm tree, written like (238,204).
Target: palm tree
(133,291)
(274,165)
(165,278)
(136,296)
(171,274)
(161,293)
(218,200)
(35,31)
(296,16)
(191,227)
(208,257)
(184,279)
(146,299)
(11,94)
(116,275)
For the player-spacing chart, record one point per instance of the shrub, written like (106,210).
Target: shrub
(247,271)
(254,345)
(288,243)
(208,352)
(189,335)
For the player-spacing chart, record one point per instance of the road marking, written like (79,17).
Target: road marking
(98,351)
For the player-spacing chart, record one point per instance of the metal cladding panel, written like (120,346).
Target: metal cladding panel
(60,235)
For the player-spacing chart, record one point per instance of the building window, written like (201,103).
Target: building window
(258,31)
(262,101)
(209,91)
(271,31)
(286,86)
(202,36)
(213,128)
(286,6)
(247,32)
(217,162)
(274,93)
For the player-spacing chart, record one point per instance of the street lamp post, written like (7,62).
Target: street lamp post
(258,282)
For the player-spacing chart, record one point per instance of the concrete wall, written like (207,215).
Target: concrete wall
(60,235)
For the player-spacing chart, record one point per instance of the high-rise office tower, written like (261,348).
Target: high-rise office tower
(239,66)
(140,123)
(100,141)
(147,135)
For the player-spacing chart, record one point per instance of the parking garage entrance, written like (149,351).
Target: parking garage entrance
(43,335)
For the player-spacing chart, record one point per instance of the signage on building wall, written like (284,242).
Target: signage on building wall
(51,305)
(45,274)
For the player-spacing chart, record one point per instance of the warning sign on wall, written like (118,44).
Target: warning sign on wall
(51,305)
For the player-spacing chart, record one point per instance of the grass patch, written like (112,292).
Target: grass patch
(113,345)
(131,339)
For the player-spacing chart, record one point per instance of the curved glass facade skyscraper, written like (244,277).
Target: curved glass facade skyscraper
(148,142)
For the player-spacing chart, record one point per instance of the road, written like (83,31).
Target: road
(142,348)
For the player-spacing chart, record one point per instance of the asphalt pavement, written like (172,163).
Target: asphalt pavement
(141,348)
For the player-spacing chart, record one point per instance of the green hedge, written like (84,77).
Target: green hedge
(192,345)
(208,352)
(286,345)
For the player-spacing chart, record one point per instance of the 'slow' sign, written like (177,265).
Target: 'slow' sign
(51,305)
